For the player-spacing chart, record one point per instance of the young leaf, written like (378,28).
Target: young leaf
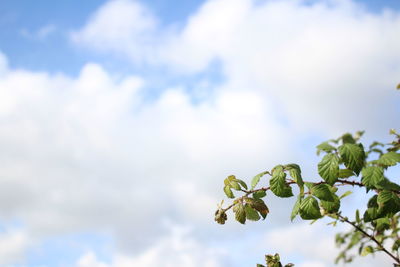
(309,209)
(251,214)
(345,194)
(353,156)
(256,179)
(240,214)
(259,194)
(345,173)
(322,192)
(367,250)
(328,168)
(326,147)
(228,191)
(389,159)
(372,176)
(296,208)
(295,173)
(348,139)
(242,183)
(278,184)
(331,206)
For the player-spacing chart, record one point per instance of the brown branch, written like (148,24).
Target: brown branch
(380,245)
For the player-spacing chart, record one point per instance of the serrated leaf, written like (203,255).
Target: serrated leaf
(348,139)
(295,173)
(309,209)
(353,156)
(331,206)
(326,147)
(256,179)
(328,168)
(385,196)
(259,205)
(251,214)
(259,194)
(228,191)
(296,208)
(389,159)
(322,192)
(240,214)
(278,184)
(382,224)
(372,176)
(345,173)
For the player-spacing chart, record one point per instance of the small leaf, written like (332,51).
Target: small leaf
(309,209)
(278,184)
(389,159)
(367,250)
(328,168)
(242,183)
(345,173)
(228,191)
(322,192)
(220,216)
(259,205)
(295,173)
(372,176)
(240,214)
(348,139)
(345,194)
(353,156)
(259,194)
(398,87)
(251,214)
(256,179)
(326,147)
(331,206)
(296,208)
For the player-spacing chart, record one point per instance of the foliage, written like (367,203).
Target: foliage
(346,162)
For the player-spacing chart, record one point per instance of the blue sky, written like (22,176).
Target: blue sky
(120,119)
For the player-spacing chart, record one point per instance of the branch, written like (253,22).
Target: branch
(380,245)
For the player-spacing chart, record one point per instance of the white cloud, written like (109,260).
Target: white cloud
(13,244)
(325,64)
(88,154)
(176,249)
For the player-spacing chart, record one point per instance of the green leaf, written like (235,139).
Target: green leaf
(240,214)
(385,196)
(348,139)
(251,214)
(295,173)
(259,194)
(398,87)
(278,183)
(389,159)
(345,173)
(328,168)
(322,192)
(231,181)
(382,224)
(296,208)
(326,147)
(372,176)
(345,194)
(353,156)
(309,209)
(228,191)
(331,206)
(367,250)
(242,183)
(256,179)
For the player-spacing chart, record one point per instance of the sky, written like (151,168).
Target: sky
(120,119)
